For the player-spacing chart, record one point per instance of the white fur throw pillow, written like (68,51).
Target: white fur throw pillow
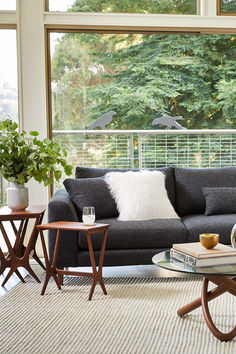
(140,195)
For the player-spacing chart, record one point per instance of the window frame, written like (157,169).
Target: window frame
(62,22)
(8,26)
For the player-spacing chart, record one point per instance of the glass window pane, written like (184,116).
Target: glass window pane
(142,77)
(102,83)
(8,75)
(228,6)
(8,86)
(7,5)
(124,6)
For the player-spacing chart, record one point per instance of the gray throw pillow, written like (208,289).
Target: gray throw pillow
(92,192)
(220,200)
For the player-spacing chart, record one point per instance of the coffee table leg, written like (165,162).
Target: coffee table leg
(225,285)
(197,303)
(204,301)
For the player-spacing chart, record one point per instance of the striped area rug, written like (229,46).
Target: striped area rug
(137,316)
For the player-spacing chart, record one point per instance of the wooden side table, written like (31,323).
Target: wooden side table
(56,273)
(19,255)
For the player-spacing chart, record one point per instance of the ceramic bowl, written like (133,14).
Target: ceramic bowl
(209,240)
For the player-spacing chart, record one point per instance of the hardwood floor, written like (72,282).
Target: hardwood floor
(139,271)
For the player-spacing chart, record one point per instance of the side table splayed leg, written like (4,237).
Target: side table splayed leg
(57,273)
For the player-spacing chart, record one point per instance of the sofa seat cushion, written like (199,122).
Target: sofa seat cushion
(91,172)
(189,184)
(161,233)
(219,224)
(119,257)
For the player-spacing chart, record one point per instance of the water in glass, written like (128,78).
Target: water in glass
(88,216)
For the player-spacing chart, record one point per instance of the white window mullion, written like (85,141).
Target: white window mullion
(32,81)
(208,8)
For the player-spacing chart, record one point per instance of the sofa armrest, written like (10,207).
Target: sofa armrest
(61,208)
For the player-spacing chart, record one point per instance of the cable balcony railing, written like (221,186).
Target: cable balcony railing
(149,148)
(146,148)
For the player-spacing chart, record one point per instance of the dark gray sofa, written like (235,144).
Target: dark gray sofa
(135,242)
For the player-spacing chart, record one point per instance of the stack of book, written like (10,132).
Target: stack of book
(195,255)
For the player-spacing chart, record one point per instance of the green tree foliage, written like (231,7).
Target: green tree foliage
(142,77)
(137,6)
(228,5)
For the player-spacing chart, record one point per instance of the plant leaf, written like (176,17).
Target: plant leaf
(33,133)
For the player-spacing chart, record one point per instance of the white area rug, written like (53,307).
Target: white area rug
(137,316)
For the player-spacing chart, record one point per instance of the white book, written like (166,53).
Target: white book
(202,262)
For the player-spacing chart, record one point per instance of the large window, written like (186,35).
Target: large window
(103,83)
(124,6)
(142,77)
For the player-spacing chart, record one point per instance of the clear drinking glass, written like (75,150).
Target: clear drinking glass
(88,216)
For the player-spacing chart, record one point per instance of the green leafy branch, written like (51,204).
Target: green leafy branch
(24,157)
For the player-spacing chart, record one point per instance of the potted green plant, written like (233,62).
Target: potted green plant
(23,157)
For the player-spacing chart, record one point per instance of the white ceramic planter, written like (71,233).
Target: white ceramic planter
(17,196)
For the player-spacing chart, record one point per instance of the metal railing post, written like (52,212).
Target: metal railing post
(140,152)
(131,150)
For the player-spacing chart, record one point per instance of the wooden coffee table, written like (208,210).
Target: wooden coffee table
(224,276)
(18,255)
(57,273)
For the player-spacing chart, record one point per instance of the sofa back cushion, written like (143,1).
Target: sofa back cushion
(92,192)
(91,172)
(189,184)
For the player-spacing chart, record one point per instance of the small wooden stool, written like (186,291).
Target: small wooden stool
(56,273)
